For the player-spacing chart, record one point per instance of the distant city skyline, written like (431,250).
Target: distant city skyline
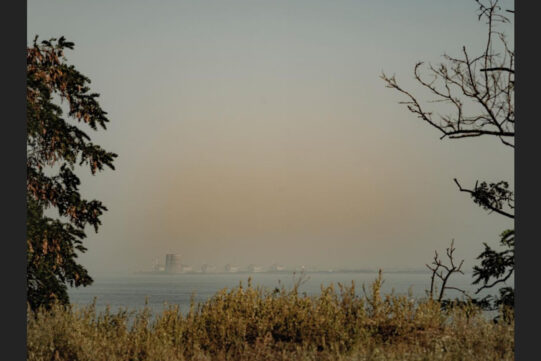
(194,266)
(259,130)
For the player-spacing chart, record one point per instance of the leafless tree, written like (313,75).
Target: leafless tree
(480,88)
(443,272)
(479,91)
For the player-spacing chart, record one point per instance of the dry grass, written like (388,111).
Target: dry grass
(256,324)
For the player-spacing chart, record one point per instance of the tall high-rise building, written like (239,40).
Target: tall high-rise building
(172,263)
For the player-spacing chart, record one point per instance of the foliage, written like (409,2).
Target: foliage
(480,92)
(54,148)
(251,323)
(497,267)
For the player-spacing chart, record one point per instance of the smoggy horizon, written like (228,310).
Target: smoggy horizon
(259,132)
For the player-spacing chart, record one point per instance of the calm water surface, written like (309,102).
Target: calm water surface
(133,290)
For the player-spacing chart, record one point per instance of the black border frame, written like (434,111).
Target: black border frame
(13,151)
(526,180)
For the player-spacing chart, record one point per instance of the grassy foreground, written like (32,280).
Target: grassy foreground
(256,324)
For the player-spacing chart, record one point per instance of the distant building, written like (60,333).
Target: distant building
(172,263)
(231,268)
(277,267)
(253,268)
(158,267)
(186,268)
(206,268)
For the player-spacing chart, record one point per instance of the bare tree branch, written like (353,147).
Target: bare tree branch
(500,68)
(480,89)
(437,271)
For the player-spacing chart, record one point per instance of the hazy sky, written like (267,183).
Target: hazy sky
(260,131)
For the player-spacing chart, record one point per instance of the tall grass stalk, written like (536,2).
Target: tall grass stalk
(252,323)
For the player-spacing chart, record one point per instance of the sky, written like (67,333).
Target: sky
(259,131)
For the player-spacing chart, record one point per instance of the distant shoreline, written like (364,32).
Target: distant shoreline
(162,273)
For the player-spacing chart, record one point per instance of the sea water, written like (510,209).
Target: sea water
(133,291)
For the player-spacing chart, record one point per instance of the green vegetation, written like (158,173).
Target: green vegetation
(55,146)
(256,324)
(253,323)
(476,98)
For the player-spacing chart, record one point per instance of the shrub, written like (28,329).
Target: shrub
(252,323)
